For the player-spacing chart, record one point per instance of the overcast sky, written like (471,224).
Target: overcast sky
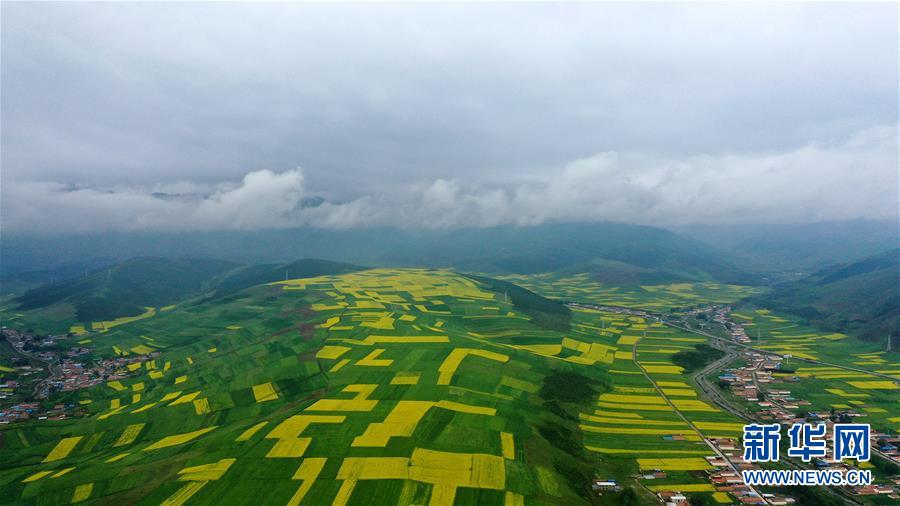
(204,116)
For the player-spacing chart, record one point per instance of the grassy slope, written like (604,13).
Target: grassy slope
(126,289)
(270,336)
(123,289)
(544,313)
(267,273)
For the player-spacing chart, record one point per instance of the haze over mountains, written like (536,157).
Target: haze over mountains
(853,295)
(861,298)
(695,253)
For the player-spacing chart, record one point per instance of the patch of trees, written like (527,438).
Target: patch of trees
(885,466)
(627,497)
(577,474)
(561,438)
(568,386)
(105,308)
(545,313)
(563,392)
(692,360)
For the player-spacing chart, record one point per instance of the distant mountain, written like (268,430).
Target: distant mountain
(253,275)
(125,289)
(861,297)
(805,248)
(642,250)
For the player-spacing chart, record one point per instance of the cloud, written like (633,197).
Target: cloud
(372,97)
(855,177)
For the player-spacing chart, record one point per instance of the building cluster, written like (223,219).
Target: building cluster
(68,371)
(752,383)
(33,411)
(68,376)
(30,343)
(726,478)
(75,375)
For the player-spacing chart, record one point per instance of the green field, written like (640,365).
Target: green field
(583,288)
(402,386)
(827,387)
(387,386)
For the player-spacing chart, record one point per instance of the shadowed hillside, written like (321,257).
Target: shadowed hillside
(128,288)
(861,297)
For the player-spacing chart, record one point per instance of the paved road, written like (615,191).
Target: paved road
(41,386)
(712,392)
(719,400)
(662,319)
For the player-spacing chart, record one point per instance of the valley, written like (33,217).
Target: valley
(415,386)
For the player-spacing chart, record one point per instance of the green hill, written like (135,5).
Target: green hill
(253,275)
(128,288)
(125,289)
(387,386)
(383,386)
(860,298)
(638,251)
(293,387)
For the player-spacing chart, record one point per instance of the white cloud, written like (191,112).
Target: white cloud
(852,178)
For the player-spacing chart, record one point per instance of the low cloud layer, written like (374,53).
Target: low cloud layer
(159,116)
(853,178)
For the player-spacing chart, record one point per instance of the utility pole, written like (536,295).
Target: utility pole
(889,342)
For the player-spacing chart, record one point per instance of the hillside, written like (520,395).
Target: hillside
(253,275)
(861,298)
(494,250)
(389,386)
(127,289)
(282,394)
(803,248)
